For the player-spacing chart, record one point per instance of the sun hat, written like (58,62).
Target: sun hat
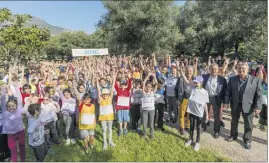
(105,91)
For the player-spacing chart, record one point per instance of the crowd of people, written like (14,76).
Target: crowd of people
(91,91)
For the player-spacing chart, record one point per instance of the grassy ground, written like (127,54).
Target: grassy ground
(166,147)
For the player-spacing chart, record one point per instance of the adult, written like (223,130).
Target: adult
(182,95)
(216,86)
(244,93)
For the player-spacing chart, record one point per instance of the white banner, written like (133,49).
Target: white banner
(88,52)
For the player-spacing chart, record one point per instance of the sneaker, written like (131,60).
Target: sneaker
(263,127)
(91,146)
(188,143)
(182,132)
(73,141)
(196,147)
(57,143)
(7,159)
(120,132)
(125,131)
(105,146)
(87,151)
(67,142)
(138,130)
(222,124)
(112,144)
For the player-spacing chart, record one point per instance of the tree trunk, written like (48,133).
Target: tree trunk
(202,50)
(211,43)
(236,45)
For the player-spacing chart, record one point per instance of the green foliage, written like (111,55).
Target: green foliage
(222,26)
(166,147)
(18,41)
(141,26)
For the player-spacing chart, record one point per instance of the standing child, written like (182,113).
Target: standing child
(159,105)
(87,121)
(136,106)
(106,113)
(36,132)
(148,108)
(68,110)
(123,104)
(196,108)
(48,108)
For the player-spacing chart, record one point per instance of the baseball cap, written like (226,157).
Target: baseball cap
(198,79)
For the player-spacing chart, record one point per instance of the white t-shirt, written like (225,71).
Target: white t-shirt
(170,86)
(197,101)
(148,101)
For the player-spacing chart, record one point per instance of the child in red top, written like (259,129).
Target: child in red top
(25,92)
(123,104)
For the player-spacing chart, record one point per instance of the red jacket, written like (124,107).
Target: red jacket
(124,93)
(24,95)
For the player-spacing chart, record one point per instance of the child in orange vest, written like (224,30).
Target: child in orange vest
(87,121)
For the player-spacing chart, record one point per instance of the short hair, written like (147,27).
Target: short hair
(214,64)
(86,95)
(26,86)
(67,91)
(32,108)
(61,78)
(189,67)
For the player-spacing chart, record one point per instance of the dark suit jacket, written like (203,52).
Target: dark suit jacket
(221,88)
(181,90)
(252,97)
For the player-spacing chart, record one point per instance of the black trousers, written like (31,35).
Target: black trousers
(40,152)
(195,120)
(4,150)
(248,123)
(216,110)
(52,133)
(263,115)
(136,115)
(160,109)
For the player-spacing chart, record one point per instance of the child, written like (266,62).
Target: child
(148,108)
(25,92)
(263,114)
(36,133)
(87,121)
(159,105)
(12,124)
(48,112)
(106,115)
(136,105)
(123,104)
(68,110)
(4,150)
(196,108)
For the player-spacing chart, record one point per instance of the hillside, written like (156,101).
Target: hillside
(55,30)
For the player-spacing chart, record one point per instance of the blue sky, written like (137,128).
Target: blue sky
(73,15)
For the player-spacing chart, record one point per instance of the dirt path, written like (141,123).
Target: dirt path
(235,150)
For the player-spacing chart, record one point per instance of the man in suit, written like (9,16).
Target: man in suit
(244,93)
(216,86)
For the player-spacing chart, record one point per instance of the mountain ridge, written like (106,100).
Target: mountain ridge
(55,30)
